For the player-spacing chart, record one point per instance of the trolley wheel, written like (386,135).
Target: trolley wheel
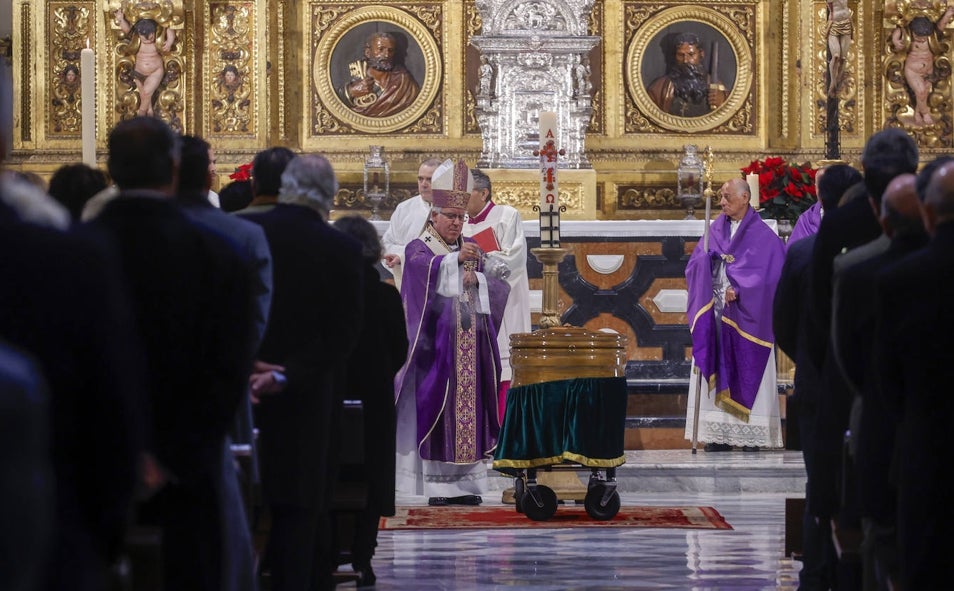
(540,503)
(594,500)
(519,492)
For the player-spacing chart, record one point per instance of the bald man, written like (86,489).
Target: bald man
(731,289)
(914,365)
(872,425)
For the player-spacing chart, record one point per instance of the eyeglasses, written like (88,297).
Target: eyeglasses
(454,216)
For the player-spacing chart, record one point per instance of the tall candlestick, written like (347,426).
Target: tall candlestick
(753,180)
(88,102)
(549,190)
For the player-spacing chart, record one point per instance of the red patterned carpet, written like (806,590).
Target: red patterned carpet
(500,517)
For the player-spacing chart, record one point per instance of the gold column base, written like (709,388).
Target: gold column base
(550,258)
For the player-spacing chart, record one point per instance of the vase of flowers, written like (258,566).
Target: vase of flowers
(785,190)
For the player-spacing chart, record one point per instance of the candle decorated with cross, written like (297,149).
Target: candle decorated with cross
(549,188)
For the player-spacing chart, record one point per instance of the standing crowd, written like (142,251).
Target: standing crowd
(162,357)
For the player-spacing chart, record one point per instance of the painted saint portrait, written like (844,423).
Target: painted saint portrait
(379,76)
(691,71)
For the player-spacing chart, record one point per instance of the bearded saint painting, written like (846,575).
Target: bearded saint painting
(380,85)
(690,85)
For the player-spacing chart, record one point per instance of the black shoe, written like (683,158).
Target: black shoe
(718,447)
(473,500)
(437,501)
(750,448)
(365,573)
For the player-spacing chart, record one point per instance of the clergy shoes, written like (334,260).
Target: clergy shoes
(718,447)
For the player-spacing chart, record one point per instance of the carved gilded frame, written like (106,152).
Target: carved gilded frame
(334,28)
(734,30)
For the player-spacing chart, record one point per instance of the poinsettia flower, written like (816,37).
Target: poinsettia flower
(242,172)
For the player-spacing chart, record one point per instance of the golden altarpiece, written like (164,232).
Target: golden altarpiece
(250,74)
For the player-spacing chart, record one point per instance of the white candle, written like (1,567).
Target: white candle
(88,102)
(753,180)
(549,191)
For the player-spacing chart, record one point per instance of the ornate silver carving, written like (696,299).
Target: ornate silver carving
(537,53)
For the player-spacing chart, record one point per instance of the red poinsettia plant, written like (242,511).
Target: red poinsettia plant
(785,190)
(243,172)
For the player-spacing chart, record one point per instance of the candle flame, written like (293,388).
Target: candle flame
(87,43)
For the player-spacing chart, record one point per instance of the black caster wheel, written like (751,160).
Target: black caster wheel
(594,503)
(540,503)
(519,493)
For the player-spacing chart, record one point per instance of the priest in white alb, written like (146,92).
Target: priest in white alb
(498,230)
(407,221)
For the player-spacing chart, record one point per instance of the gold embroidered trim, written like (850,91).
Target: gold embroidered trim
(567,456)
(724,401)
(746,335)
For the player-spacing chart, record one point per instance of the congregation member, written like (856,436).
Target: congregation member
(731,290)
(64,306)
(195,178)
(792,310)
(299,381)
(498,230)
(407,221)
(267,168)
(447,391)
(872,425)
(886,155)
(75,184)
(381,351)
(192,307)
(807,224)
(913,365)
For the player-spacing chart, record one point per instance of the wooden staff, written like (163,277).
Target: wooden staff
(705,246)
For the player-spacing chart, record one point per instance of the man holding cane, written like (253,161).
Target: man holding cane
(731,288)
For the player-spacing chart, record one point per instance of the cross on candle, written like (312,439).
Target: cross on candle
(549,188)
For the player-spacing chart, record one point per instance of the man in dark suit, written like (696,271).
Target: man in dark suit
(192,305)
(195,180)
(853,321)
(791,312)
(313,327)
(915,367)
(62,302)
(887,154)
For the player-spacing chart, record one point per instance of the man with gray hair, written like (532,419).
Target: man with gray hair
(313,327)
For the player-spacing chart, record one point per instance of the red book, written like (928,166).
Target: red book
(486,240)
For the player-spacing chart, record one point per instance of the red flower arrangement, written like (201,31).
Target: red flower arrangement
(785,190)
(242,172)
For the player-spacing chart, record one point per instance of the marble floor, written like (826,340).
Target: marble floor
(749,557)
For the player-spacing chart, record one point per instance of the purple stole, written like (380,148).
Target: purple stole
(453,367)
(733,365)
(807,223)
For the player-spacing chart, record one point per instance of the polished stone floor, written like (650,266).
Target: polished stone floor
(751,556)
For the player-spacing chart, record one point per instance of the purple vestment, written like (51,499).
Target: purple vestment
(453,366)
(807,223)
(734,364)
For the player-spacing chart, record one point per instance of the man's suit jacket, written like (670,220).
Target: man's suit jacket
(192,303)
(381,351)
(792,311)
(915,365)
(62,302)
(853,331)
(313,327)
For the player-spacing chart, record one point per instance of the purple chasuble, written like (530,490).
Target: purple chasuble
(807,223)
(453,366)
(733,365)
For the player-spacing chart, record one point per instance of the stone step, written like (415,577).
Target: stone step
(665,471)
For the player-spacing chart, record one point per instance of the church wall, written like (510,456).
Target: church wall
(291,59)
